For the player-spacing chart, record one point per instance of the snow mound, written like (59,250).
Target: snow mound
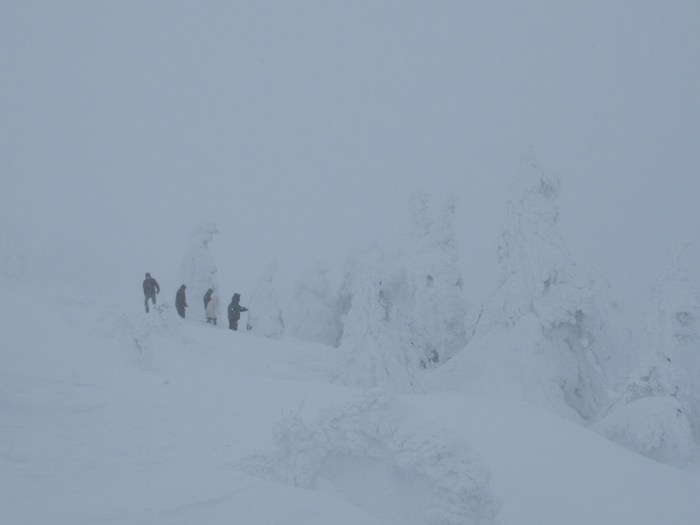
(376,454)
(655,426)
(144,333)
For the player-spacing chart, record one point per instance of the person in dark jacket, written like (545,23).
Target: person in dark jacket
(150,289)
(180,301)
(207,298)
(234,311)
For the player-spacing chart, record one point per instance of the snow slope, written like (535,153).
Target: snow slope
(110,415)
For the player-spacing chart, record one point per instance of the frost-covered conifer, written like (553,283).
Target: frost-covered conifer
(314,315)
(671,365)
(437,310)
(264,313)
(405,311)
(374,327)
(658,413)
(198,270)
(541,333)
(674,325)
(535,263)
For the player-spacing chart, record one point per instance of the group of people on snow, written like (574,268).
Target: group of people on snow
(211,302)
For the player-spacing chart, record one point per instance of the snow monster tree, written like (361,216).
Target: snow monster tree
(541,335)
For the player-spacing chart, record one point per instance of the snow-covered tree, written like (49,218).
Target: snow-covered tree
(658,412)
(264,313)
(674,324)
(315,315)
(534,262)
(649,416)
(405,311)
(198,270)
(438,308)
(373,327)
(541,334)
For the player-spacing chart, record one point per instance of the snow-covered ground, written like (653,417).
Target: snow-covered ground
(110,415)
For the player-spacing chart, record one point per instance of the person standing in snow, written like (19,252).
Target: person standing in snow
(207,297)
(212,307)
(180,301)
(150,289)
(234,311)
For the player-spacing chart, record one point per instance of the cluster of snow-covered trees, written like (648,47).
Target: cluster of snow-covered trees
(404,312)
(548,333)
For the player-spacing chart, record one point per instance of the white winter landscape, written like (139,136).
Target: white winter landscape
(466,235)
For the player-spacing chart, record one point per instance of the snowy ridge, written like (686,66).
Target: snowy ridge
(96,429)
(443,481)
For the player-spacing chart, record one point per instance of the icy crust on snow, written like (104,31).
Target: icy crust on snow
(378,455)
(656,427)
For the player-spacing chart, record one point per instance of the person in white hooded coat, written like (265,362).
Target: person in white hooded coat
(212,309)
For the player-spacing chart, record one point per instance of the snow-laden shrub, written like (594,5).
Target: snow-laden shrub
(314,315)
(435,475)
(264,312)
(655,426)
(198,270)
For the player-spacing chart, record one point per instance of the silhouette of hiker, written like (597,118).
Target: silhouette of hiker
(150,289)
(234,311)
(180,301)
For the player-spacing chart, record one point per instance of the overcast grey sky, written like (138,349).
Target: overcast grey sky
(302,128)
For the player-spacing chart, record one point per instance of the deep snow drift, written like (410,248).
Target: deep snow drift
(114,415)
